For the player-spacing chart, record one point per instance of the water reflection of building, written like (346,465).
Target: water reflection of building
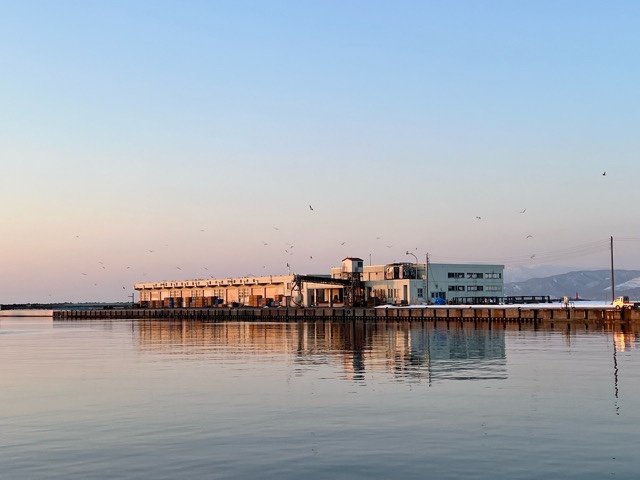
(399,349)
(463,353)
(624,341)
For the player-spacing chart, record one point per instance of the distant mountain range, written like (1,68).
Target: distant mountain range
(588,285)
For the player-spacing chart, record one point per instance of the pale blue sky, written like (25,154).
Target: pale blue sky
(193,128)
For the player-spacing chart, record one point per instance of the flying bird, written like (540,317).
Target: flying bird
(310,208)
(342,243)
(532,256)
(478,218)
(529,236)
(276,228)
(522,211)
(604,173)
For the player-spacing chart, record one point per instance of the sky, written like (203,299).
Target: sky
(158,140)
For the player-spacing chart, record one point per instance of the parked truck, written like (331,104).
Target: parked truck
(624,302)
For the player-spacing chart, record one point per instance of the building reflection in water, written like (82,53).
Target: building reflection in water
(624,341)
(402,350)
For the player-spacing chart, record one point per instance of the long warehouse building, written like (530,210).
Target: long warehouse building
(395,284)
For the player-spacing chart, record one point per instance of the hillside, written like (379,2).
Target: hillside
(589,285)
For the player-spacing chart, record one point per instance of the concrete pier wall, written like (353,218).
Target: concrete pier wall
(506,314)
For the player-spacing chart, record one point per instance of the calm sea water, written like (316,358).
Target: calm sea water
(139,399)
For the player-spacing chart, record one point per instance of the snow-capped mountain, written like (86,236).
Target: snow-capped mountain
(591,285)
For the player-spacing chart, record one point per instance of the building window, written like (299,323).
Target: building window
(456,288)
(494,288)
(420,292)
(493,276)
(474,275)
(455,275)
(475,288)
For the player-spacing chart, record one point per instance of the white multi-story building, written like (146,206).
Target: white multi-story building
(411,283)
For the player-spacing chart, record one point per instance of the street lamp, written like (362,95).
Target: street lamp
(416,269)
(409,253)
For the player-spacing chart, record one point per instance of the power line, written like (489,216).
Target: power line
(574,251)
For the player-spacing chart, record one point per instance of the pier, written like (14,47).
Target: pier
(505,314)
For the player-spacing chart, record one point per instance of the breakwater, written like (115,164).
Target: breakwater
(505,314)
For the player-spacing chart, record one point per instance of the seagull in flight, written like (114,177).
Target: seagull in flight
(478,218)
(529,236)
(532,256)
(310,208)
(342,243)
(522,211)
(604,173)
(276,228)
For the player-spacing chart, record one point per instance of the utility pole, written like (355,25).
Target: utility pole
(415,273)
(426,276)
(613,284)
